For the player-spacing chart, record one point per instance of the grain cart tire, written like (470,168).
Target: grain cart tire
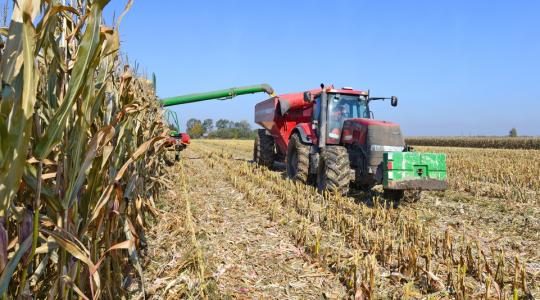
(334,171)
(263,149)
(297,160)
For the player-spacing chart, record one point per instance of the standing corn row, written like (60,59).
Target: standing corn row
(80,143)
(477,142)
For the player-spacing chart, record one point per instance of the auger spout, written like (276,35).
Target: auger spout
(219,94)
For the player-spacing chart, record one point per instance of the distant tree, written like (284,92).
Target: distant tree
(243,128)
(232,130)
(196,131)
(191,122)
(513,133)
(208,125)
(222,123)
(194,128)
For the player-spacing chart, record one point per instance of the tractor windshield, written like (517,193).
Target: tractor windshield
(341,107)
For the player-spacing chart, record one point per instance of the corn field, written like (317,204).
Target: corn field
(374,249)
(91,208)
(499,173)
(477,142)
(81,138)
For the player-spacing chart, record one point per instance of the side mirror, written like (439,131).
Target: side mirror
(307,97)
(393,101)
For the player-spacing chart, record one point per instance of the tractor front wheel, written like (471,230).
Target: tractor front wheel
(297,160)
(263,149)
(394,196)
(334,171)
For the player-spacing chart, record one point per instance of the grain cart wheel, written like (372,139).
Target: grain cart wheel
(263,149)
(297,160)
(334,171)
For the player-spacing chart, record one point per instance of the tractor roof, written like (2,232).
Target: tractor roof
(331,89)
(345,90)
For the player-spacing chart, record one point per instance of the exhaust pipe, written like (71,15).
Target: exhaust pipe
(323,119)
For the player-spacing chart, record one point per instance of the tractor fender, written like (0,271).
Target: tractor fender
(305,132)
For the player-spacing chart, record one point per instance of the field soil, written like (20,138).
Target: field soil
(500,222)
(244,253)
(213,240)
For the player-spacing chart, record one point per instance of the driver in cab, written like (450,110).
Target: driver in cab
(336,118)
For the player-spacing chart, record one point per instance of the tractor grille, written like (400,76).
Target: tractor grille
(382,139)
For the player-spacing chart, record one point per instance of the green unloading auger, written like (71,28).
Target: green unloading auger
(219,94)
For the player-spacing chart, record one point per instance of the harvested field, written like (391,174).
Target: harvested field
(212,241)
(498,173)
(262,236)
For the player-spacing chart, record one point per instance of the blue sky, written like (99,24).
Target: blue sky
(458,67)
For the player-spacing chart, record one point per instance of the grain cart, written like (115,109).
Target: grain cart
(328,137)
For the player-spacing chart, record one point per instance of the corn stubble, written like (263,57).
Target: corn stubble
(80,155)
(378,252)
(497,173)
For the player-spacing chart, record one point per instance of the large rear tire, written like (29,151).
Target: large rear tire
(334,170)
(264,149)
(297,160)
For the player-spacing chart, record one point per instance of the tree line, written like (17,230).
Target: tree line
(222,129)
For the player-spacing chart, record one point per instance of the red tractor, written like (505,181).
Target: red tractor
(327,137)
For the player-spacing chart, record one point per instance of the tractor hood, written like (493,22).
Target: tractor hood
(376,135)
(375,138)
(370,122)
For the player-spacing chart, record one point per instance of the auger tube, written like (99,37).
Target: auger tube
(219,94)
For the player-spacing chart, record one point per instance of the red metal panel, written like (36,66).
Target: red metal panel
(367,122)
(292,102)
(308,129)
(269,115)
(265,113)
(185,138)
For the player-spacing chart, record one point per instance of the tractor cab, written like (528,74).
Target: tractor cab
(332,107)
(340,107)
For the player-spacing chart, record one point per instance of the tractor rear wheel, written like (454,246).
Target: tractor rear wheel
(297,160)
(263,149)
(334,171)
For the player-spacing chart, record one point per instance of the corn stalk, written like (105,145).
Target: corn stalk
(81,140)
